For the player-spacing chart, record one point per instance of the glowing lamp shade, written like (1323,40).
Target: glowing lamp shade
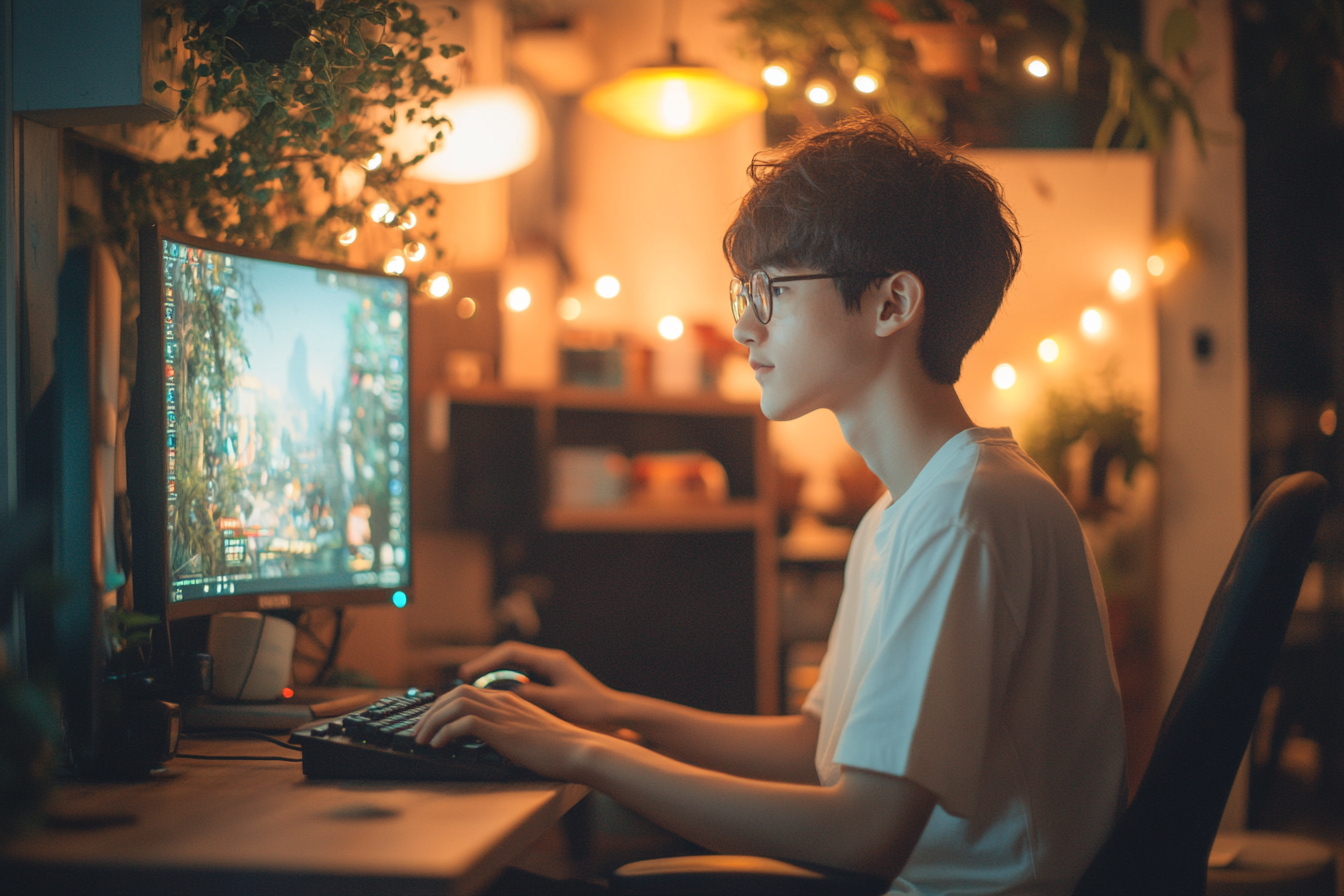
(674,101)
(494,131)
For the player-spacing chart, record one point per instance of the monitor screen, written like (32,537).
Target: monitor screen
(285,429)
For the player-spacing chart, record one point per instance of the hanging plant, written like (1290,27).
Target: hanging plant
(904,58)
(285,104)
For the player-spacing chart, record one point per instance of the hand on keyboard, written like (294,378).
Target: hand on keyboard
(519,730)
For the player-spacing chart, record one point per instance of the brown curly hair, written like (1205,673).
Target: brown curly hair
(865,199)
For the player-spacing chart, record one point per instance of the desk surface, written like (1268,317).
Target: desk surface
(261,827)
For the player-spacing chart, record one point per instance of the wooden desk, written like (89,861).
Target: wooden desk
(234,827)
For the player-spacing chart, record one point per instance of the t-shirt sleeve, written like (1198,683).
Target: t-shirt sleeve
(923,710)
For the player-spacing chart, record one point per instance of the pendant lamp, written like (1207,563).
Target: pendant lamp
(494,131)
(674,100)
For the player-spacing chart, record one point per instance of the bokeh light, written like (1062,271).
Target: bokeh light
(671,327)
(820,92)
(607,286)
(1048,351)
(518,299)
(1004,376)
(348,237)
(466,307)
(1036,66)
(1121,283)
(775,75)
(569,308)
(439,285)
(395,264)
(1092,322)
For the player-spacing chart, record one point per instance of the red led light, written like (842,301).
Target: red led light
(287,693)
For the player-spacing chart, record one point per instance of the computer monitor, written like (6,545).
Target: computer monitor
(267,451)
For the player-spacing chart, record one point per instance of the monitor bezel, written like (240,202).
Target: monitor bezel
(146,451)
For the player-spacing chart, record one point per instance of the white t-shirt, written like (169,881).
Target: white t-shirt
(970,654)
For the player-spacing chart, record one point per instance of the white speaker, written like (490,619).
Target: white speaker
(253,655)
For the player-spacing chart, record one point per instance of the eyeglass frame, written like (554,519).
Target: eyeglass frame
(737,284)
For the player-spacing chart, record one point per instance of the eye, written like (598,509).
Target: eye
(777,290)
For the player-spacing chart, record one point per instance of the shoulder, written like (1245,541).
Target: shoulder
(989,483)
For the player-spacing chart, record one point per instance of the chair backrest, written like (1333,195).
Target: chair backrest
(1162,841)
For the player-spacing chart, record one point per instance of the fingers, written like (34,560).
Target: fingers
(462,703)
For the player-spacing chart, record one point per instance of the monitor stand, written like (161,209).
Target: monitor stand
(285,714)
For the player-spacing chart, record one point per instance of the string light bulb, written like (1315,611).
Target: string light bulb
(466,307)
(439,285)
(867,81)
(348,237)
(1121,283)
(379,211)
(1036,66)
(775,75)
(414,251)
(407,221)
(395,264)
(820,92)
(373,161)
(671,328)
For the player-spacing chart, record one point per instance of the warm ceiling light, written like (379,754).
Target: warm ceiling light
(466,307)
(518,299)
(607,286)
(348,237)
(1004,376)
(820,92)
(414,251)
(439,285)
(373,161)
(775,75)
(671,327)
(569,308)
(395,264)
(407,221)
(1048,351)
(380,210)
(1091,322)
(1120,284)
(495,131)
(674,101)
(867,81)
(1036,66)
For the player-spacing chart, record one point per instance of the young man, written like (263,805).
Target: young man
(966,730)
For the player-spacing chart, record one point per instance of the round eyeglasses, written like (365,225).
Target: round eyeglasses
(758,291)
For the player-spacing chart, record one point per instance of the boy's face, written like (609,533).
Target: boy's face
(814,353)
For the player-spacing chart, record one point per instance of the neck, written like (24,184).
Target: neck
(898,424)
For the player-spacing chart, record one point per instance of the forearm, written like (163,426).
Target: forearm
(773,748)
(841,826)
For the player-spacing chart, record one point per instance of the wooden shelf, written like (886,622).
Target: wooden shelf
(707,404)
(732,516)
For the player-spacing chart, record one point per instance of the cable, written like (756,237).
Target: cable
(253,758)
(246,732)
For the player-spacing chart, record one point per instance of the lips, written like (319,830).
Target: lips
(757,365)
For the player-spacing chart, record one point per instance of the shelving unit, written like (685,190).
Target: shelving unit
(673,600)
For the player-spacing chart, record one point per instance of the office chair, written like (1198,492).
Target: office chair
(1161,843)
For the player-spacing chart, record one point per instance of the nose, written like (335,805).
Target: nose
(748,330)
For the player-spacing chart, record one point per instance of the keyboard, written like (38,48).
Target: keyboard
(376,743)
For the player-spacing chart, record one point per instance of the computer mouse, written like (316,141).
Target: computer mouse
(502,680)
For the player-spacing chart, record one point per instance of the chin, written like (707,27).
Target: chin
(781,411)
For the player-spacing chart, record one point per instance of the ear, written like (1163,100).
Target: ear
(900,300)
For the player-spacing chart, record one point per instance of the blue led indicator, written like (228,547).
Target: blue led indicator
(398,599)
